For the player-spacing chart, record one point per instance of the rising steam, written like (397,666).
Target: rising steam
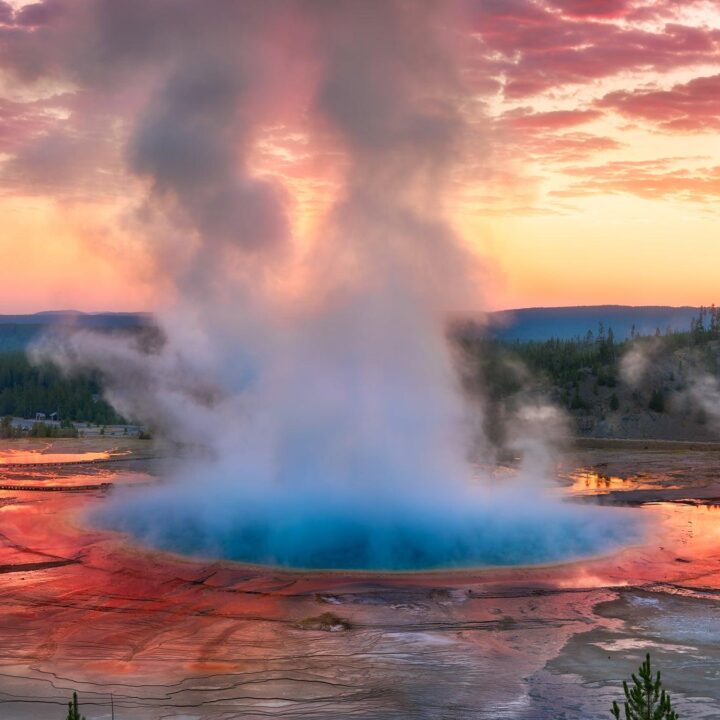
(338,434)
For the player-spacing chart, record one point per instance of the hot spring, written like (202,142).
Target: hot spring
(372,530)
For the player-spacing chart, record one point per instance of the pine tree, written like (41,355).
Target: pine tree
(646,700)
(657,401)
(73,712)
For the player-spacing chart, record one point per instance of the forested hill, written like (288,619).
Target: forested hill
(571,355)
(26,389)
(661,385)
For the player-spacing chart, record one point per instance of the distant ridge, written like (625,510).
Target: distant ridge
(98,319)
(18,331)
(523,324)
(568,322)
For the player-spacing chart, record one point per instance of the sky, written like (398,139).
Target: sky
(589,171)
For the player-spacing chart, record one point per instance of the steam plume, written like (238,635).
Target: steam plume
(337,427)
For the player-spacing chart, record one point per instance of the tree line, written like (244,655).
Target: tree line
(27,389)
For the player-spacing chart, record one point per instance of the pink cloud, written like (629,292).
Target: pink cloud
(536,47)
(7,14)
(693,106)
(549,136)
(521,48)
(554,120)
(592,8)
(39,13)
(21,122)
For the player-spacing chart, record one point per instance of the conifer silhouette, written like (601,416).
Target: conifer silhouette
(646,699)
(73,712)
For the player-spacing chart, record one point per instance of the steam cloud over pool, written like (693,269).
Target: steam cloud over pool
(298,163)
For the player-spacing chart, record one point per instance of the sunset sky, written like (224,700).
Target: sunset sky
(590,175)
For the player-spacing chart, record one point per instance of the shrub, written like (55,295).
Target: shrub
(7,430)
(44,430)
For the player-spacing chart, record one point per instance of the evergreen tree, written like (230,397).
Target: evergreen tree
(714,321)
(646,700)
(73,712)
(657,401)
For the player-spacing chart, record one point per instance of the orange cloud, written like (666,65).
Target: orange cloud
(652,180)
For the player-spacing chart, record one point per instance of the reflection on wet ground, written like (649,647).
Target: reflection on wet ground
(591,482)
(171,637)
(43,457)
